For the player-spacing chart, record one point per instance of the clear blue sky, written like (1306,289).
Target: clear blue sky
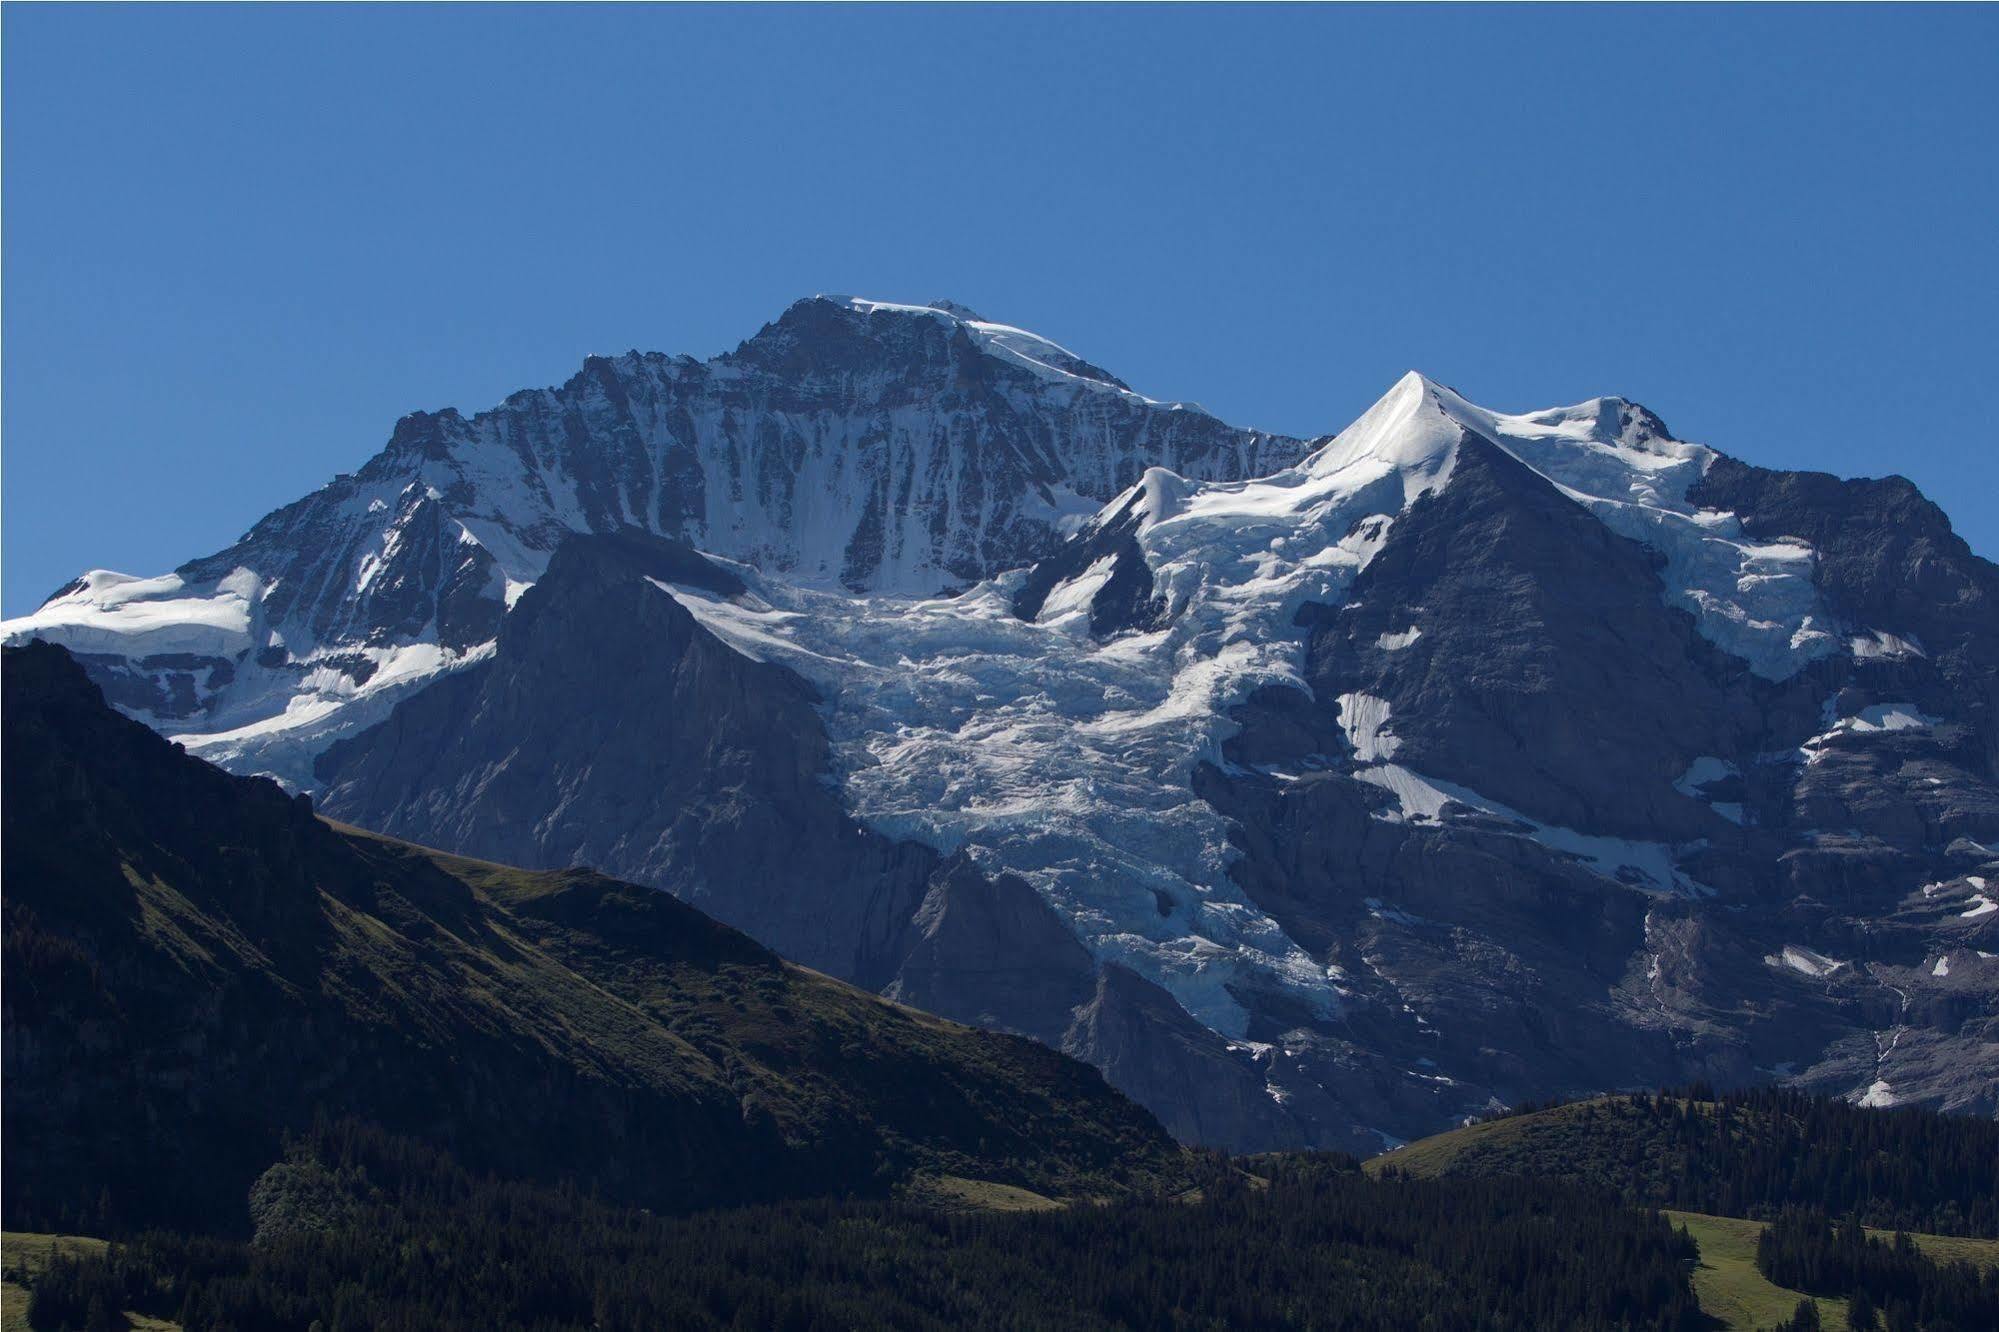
(239,242)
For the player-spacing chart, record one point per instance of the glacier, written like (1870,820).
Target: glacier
(1069,761)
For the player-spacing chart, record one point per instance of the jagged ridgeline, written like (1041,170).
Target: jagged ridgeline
(1320,793)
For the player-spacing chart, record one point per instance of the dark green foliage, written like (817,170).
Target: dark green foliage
(1803,1249)
(1313,1244)
(1752,1153)
(85,1293)
(1804,1319)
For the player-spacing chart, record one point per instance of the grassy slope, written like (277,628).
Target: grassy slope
(1728,1285)
(1732,1290)
(1574,1133)
(1430,1157)
(807,1049)
(238,966)
(25,1252)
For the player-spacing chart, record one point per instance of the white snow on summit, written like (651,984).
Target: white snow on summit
(118,613)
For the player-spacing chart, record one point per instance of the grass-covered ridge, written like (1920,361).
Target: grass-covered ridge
(196,965)
(1746,1154)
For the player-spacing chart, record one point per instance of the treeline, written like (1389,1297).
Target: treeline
(1891,1285)
(1753,1153)
(1896,1169)
(373,1233)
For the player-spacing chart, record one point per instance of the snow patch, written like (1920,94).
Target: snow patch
(1889,717)
(324,704)
(1647,866)
(1804,961)
(1879,1096)
(1704,771)
(120,615)
(1397,641)
(1068,605)
(1878,643)
(1364,718)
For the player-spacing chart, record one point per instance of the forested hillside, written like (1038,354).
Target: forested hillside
(368,1232)
(1747,1153)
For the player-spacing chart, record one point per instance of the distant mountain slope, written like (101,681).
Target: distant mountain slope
(196,964)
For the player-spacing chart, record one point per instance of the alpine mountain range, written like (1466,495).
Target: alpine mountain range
(1321,793)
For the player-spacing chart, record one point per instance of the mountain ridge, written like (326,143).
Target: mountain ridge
(1462,758)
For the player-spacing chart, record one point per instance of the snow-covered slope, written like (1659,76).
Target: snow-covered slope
(887,449)
(1069,759)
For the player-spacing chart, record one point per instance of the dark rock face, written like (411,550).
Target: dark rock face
(1124,602)
(1145,1042)
(610,730)
(1834,860)
(987,950)
(167,685)
(1887,560)
(1546,668)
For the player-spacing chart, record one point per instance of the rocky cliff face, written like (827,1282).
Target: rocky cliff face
(1463,758)
(709,782)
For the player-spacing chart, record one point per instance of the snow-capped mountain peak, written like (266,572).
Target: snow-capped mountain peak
(850,444)
(1290,735)
(1017,346)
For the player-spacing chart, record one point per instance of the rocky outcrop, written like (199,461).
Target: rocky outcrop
(1100,572)
(609,729)
(1147,1044)
(987,950)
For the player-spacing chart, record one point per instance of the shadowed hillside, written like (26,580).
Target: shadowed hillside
(196,965)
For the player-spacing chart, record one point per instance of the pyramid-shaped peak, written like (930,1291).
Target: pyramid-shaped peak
(1414,428)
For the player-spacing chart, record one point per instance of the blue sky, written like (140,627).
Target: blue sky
(239,242)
